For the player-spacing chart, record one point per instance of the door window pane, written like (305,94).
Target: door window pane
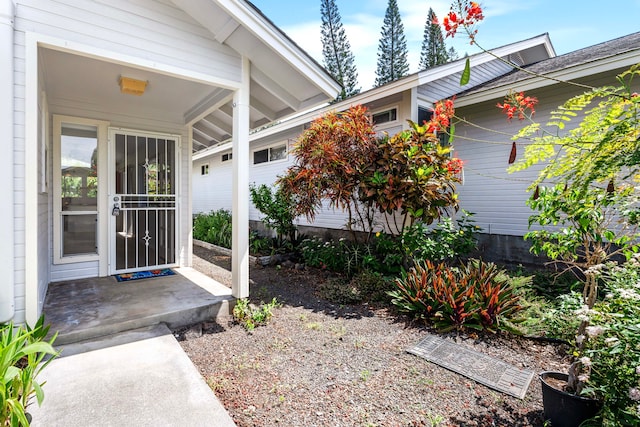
(78,168)
(79,234)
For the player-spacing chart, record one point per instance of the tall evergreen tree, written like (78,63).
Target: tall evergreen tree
(434,52)
(392,49)
(336,50)
(452,54)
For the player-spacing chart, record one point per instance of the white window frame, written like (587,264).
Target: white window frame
(228,159)
(268,148)
(383,110)
(204,169)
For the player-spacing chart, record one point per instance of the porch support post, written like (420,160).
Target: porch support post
(7,256)
(240,209)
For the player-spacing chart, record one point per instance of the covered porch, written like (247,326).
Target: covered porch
(233,72)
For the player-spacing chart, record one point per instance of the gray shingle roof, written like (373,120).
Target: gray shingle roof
(578,57)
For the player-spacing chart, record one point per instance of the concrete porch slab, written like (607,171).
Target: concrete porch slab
(84,309)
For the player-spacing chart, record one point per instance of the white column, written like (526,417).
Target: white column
(7,303)
(240,209)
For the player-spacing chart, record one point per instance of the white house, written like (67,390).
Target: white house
(103,104)
(496,197)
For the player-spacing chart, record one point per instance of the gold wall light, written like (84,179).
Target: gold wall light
(132,86)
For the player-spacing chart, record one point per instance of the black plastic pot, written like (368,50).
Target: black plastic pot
(565,409)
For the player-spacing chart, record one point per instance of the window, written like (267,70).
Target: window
(204,170)
(384,116)
(226,157)
(424,115)
(271,154)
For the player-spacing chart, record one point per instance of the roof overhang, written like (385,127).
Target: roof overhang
(284,78)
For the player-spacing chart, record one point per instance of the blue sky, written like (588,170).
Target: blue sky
(571,24)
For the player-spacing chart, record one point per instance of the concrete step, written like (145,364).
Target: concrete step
(84,309)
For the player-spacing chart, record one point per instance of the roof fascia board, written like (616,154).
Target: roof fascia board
(265,31)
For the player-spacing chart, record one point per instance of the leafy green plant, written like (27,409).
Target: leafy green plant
(278,210)
(472,296)
(22,358)
(214,228)
(444,241)
(258,244)
(251,316)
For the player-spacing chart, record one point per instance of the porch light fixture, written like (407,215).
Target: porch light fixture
(132,86)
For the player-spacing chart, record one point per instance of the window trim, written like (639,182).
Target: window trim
(268,148)
(383,110)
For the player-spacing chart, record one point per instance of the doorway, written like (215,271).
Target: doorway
(143,201)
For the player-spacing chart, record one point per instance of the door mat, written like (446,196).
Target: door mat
(481,368)
(144,274)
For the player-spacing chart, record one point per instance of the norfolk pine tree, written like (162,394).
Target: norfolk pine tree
(338,58)
(434,52)
(392,48)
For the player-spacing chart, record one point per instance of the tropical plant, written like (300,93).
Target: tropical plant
(336,51)
(609,351)
(392,47)
(474,295)
(278,211)
(414,175)
(330,159)
(214,227)
(22,357)
(444,241)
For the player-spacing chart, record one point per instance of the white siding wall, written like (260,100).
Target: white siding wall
(496,197)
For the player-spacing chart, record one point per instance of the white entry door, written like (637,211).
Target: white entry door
(143,201)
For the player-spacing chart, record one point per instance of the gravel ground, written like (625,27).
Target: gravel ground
(320,364)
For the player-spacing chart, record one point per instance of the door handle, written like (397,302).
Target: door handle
(116,210)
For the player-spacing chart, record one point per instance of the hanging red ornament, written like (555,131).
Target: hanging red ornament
(610,187)
(536,193)
(512,155)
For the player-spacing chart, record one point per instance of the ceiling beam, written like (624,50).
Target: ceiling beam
(274,88)
(212,102)
(262,108)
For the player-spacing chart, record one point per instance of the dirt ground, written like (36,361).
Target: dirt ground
(322,364)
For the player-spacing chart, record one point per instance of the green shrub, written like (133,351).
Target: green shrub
(473,295)
(278,211)
(445,241)
(22,354)
(214,228)
(341,256)
(251,316)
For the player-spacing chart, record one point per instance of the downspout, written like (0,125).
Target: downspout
(7,284)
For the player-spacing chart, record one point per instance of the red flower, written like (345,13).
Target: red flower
(443,111)
(468,14)
(517,103)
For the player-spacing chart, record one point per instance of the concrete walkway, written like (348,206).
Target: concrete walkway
(136,378)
